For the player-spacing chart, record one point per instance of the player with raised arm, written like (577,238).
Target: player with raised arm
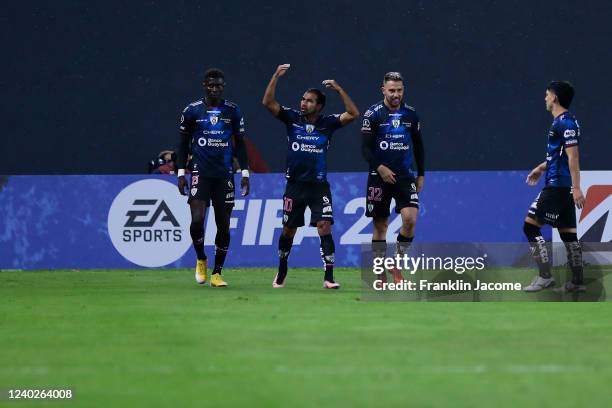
(391,143)
(556,204)
(212,129)
(308,137)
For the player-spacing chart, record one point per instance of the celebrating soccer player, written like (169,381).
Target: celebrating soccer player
(555,205)
(214,128)
(308,137)
(391,142)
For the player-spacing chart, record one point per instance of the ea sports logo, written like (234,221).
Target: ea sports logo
(384,145)
(148,223)
(202,141)
(295,146)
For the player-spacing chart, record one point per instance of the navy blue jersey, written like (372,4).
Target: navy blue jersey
(211,129)
(564,133)
(307,144)
(392,131)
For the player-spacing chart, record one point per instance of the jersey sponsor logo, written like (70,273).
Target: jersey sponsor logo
(182,118)
(569,133)
(202,141)
(230,184)
(384,145)
(325,200)
(310,138)
(368,113)
(309,128)
(327,209)
(148,223)
(306,148)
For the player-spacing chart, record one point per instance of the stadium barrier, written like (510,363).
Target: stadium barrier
(73,222)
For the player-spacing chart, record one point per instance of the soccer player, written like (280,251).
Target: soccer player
(391,143)
(308,136)
(555,205)
(214,129)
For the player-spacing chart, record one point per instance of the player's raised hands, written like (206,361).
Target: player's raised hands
(281,70)
(181,185)
(331,83)
(386,174)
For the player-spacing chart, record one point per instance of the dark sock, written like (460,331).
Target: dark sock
(221,245)
(284,248)
(574,256)
(197,236)
(403,244)
(539,249)
(328,250)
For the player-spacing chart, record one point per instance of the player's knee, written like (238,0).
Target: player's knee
(288,232)
(531,231)
(381,225)
(568,236)
(197,219)
(409,222)
(324,228)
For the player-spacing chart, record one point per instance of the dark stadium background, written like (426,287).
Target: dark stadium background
(98,87)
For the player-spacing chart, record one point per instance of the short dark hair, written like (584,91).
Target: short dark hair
(564,91)
(320,96)
(393,76)
(214,73)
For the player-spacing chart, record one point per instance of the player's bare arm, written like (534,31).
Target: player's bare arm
(419,158)
(351,112)
(574,166)
(243,161)
(535,174)
(181,161)
(269,98)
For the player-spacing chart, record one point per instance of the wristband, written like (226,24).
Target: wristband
(181,173)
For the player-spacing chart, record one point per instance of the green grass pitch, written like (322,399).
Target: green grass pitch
(154,338)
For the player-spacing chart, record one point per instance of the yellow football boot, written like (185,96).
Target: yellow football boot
(216,281)
(200,272)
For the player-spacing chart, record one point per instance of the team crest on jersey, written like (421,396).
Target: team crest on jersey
(395,123)
(309,128)
(194,190)
(370,207)
(214,120)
